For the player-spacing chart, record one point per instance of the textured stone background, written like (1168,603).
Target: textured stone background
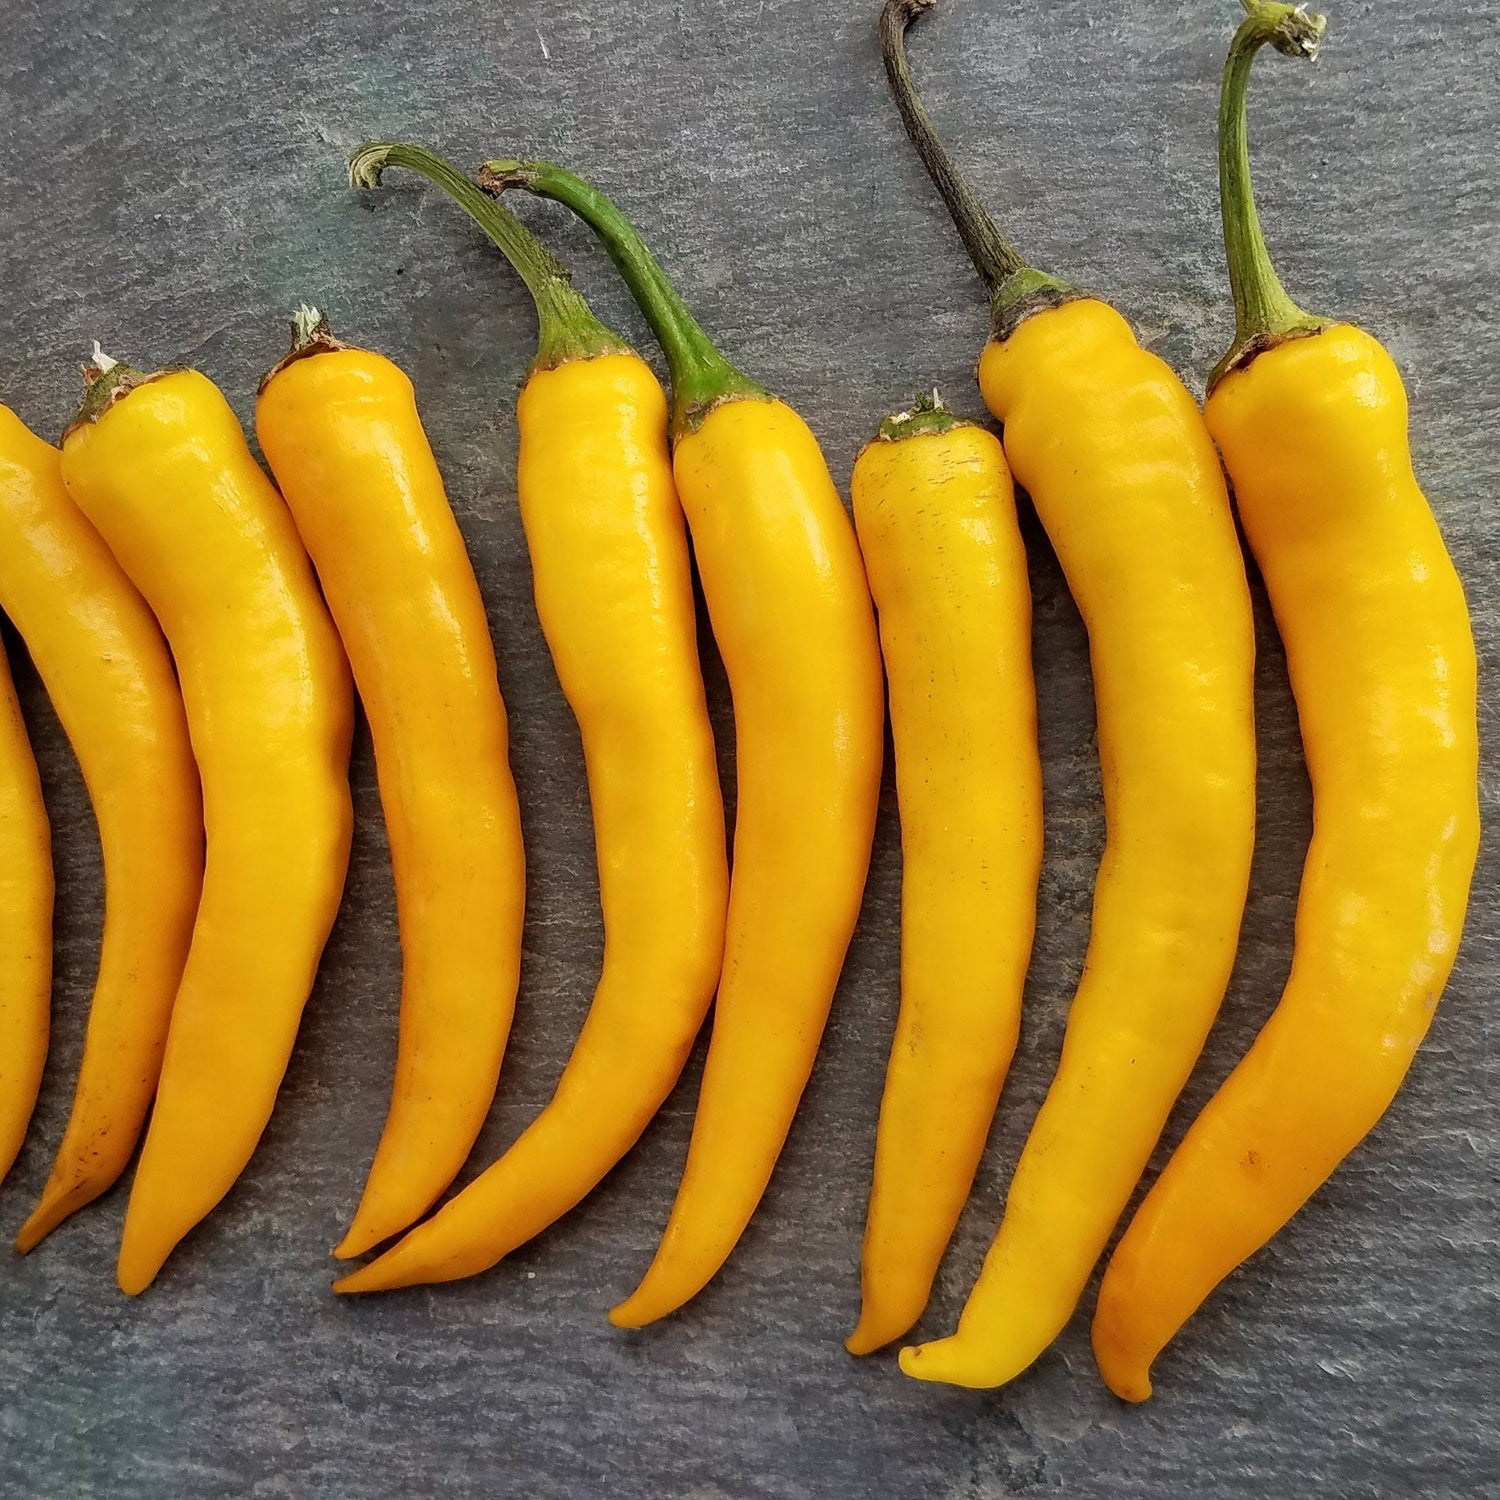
(173,181)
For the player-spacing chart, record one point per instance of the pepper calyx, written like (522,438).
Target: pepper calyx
(311,334)
(107,382)
(928,414)
(1022,295)
(1243,354)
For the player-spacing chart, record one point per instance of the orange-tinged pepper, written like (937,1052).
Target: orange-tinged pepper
(1114,453)
(160,466)
(1311,418)
(25,926)
(936,515)
(340,430)
(791,613)
(614,593)
(107,670)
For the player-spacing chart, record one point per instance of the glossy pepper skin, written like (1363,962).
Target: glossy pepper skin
(1116,458)
(614,594)
(160,466)
(107,670)
(25,926)
(340,430)
(936,515)
(791,613)
(1313,429)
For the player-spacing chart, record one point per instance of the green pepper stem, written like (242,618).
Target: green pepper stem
(1264,314)
(1015,287)
(701,377)
(566,325)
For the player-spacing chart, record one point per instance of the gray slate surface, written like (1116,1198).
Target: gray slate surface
(172,182)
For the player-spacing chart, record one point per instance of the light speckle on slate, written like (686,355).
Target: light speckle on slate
(172,177)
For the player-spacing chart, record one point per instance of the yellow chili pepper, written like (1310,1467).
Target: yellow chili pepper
(1311,418)
(791,612)
(936,516)
(159,464)
(25,926)
(1114,454)
(614,593)
(340,430)
(109,675)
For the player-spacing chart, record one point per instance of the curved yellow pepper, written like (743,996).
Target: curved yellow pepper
(109,675)
(1115,456)
(936,516)
(340,430)
(160,466)
(614,593)
(1312,421)
(791,613)
(25,926)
